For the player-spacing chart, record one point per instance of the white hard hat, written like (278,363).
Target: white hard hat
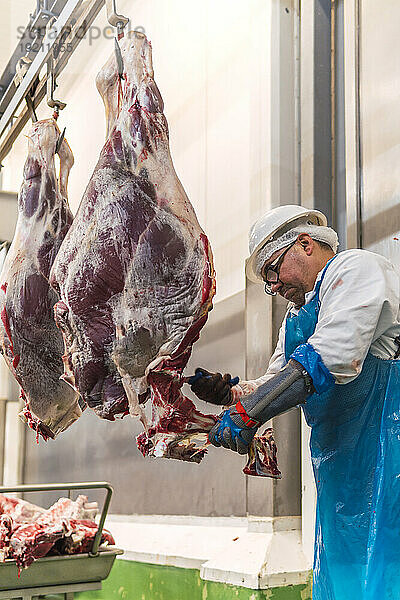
(272,225)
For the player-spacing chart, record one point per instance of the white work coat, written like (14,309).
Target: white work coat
(359,312)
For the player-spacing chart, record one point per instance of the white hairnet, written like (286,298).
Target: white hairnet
(316,232)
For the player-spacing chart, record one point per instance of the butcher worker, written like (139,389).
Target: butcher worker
(337,357)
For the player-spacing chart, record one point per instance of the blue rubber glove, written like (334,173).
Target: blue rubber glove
(232,432)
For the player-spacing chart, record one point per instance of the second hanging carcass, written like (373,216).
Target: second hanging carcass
(30,341)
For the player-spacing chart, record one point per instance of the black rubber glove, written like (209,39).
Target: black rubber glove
(213,387)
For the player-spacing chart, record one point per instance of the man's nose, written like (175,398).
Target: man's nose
(275,287)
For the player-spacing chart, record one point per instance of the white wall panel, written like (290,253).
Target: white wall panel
(14,14)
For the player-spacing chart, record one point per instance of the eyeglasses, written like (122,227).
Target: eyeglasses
(271,275)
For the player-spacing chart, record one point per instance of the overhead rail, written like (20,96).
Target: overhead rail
(68,29)
(29,44)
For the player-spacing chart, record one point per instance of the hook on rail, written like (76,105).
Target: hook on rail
(57,105)
(21,69)
(51,87)
(118,21)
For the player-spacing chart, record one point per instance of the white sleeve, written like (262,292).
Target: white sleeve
(359,299)
(277,361)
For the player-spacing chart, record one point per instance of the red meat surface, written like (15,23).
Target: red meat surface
(80,537)
(6,527)
(34,540)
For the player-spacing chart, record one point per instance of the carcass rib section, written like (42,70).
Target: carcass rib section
(135,271)
(72,509)
(80,537)
(22,511)
(31,343)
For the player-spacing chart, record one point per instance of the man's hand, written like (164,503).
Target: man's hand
(213,387)
(232,432)
(286,389)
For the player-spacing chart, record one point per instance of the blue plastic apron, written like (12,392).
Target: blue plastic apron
(355,450)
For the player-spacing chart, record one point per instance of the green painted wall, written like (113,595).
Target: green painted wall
(141,581)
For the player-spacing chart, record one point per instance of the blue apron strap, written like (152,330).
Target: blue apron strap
(319,282)
(298,330)
(397,353)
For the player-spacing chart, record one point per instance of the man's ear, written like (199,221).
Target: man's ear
(307,243)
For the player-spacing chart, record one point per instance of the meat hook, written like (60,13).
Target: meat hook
(31,108)
(51,82)
(60,141)
(51,86)
(120,62)
(118,21)
(21,69)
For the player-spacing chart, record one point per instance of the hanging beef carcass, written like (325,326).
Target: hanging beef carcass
(135,271)
(30,341)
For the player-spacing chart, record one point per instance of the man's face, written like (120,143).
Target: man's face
(293,281)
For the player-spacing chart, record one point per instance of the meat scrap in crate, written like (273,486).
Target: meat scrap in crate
(29,532)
